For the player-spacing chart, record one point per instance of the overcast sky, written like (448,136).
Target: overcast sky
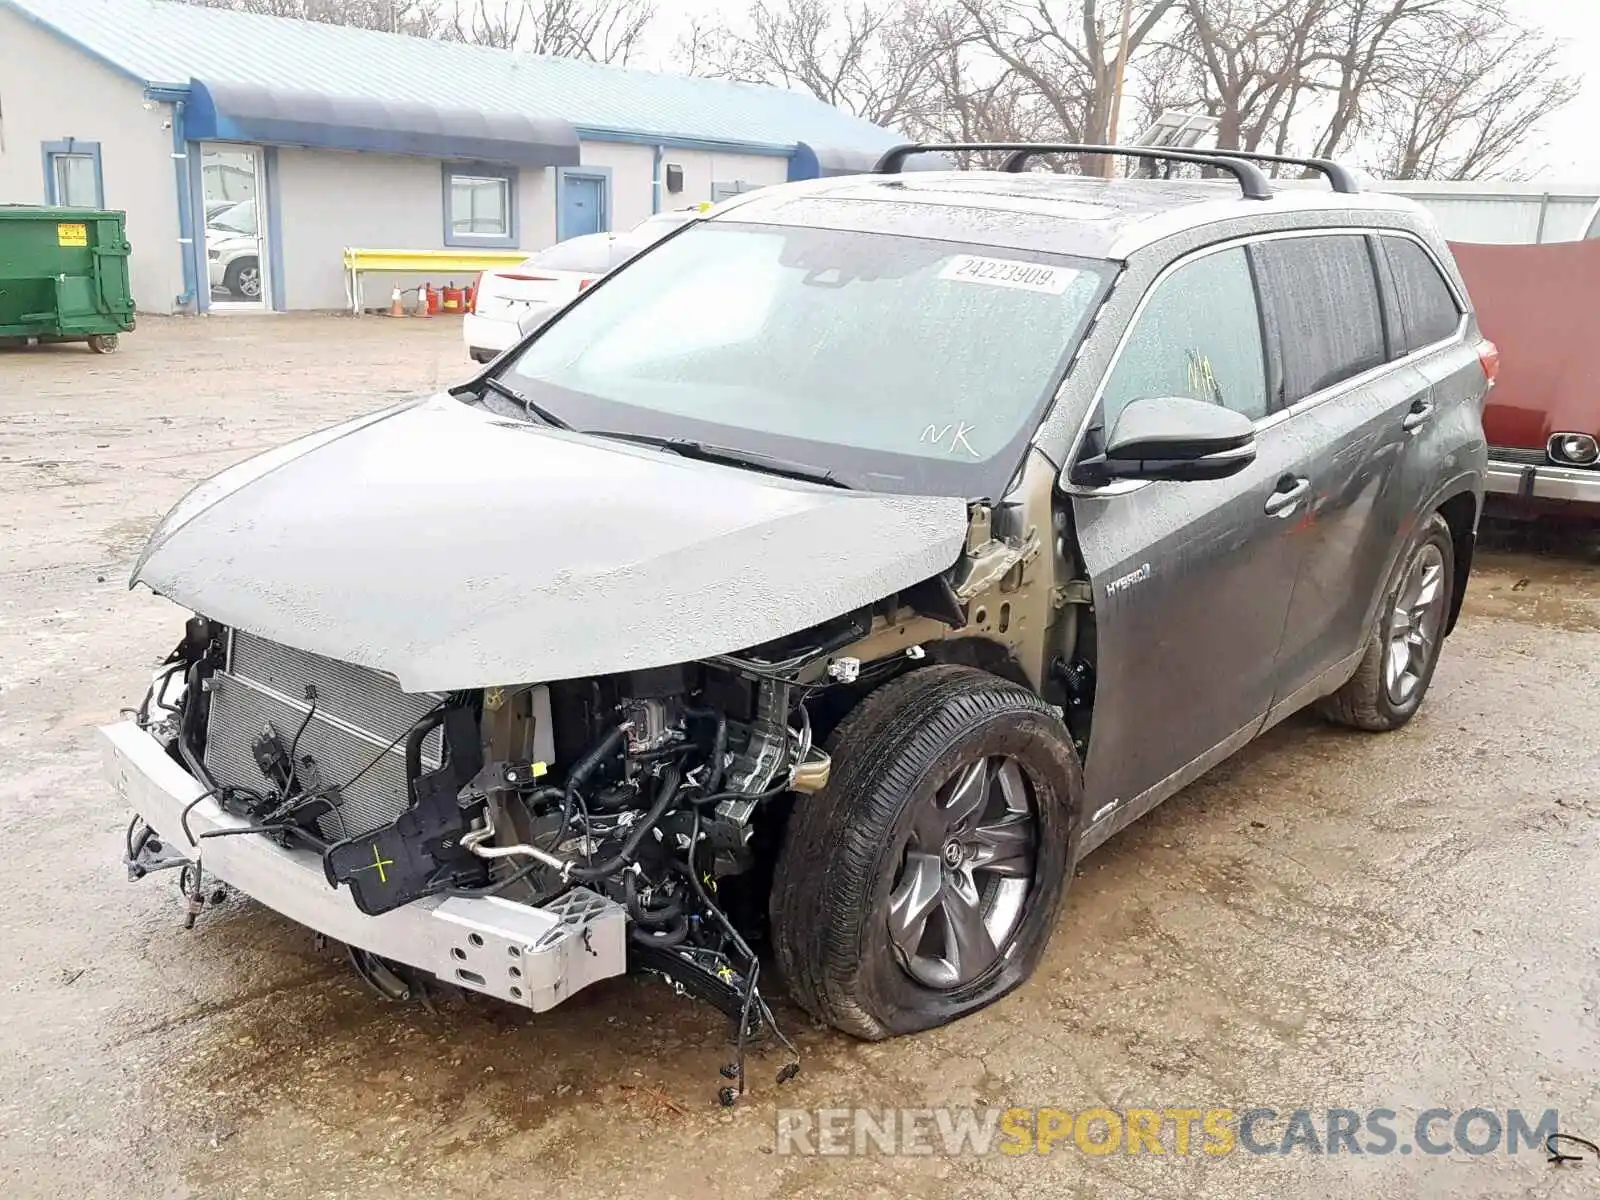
(1572,137)
(1569,149)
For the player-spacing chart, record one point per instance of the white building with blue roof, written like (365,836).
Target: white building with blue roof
(249,151)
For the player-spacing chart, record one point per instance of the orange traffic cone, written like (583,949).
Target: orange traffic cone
(397,306)
(425,301)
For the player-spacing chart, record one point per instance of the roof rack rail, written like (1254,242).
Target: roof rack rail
(1252,182)
(1340,177)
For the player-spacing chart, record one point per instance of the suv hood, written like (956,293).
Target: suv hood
(456,549)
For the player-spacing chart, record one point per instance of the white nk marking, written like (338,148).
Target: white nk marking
(956,432)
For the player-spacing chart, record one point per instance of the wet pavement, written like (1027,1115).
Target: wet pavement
(1329,920)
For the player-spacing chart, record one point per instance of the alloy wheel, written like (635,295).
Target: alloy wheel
(1414,625)
(962,889)
(250,283)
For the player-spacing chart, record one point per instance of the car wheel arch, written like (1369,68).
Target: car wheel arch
(828,857)
(1460,511)
(1460,505)
(983,654)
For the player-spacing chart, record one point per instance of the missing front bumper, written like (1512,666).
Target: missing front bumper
(533,957)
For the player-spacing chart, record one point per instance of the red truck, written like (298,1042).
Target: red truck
(1541,305)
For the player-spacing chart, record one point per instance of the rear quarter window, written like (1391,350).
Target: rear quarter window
(1428,310)
(1321,307)
(592,252)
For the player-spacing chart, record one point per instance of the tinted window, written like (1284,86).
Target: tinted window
(589,252)
(1199,336)
(1322,310)
(1427,307)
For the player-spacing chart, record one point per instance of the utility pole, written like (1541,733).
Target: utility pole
(1116,92)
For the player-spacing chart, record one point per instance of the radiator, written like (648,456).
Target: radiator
(1519,455)
(358,714)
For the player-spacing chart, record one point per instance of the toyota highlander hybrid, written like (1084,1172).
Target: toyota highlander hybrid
(821,586)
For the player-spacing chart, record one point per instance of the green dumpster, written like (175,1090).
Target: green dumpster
(64,276)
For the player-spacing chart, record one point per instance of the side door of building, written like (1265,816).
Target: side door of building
(1349,389)
(1191,580)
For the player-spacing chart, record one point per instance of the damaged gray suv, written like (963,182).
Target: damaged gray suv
(822,586)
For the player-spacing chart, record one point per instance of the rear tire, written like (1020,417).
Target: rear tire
(103,343)
(1389,685)
(855,851)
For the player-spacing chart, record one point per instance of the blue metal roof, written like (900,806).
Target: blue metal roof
(164,44)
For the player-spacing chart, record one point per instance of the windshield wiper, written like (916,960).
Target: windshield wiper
(731,455)
(530,406)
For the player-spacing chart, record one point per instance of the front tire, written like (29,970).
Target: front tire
(1388,686)
(243,279)
(923,882)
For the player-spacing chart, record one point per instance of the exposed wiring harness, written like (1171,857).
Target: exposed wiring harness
(752,978)
(400,737)
(648,877)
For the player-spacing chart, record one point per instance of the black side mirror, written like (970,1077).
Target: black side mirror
(1175,437)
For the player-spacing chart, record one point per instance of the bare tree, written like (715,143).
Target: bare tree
(601,30)
(874,58)
(1066,51)
(978,98)
(1437,87)
(1250,60)
(419,18)
(1359,39)
(496,23)
(1465,106)
(607,31)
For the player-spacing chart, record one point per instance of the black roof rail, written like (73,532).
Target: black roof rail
(1340,177)
(1252,182)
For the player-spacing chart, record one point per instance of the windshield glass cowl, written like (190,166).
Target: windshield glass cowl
(898,364)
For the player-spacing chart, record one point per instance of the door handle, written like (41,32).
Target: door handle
(1290,491)
(1421,413)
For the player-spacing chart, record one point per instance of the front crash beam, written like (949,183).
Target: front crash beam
(530,956)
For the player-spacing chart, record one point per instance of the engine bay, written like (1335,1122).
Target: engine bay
(663,790)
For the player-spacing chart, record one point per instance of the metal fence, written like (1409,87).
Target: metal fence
(1507,213)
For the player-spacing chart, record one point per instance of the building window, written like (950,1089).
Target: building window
(480,205)
(735,187)
(72,176)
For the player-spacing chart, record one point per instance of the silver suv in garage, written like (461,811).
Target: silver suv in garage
(831,578)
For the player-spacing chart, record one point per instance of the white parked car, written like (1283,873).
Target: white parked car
(504,301)
(233,251)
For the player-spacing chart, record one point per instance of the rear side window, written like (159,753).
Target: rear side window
(591,252)
(1428,311)
(1199,336)
(1322,309)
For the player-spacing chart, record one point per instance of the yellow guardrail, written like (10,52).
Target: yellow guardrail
(359,262)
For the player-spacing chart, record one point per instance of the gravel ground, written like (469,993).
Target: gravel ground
(1327,920)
